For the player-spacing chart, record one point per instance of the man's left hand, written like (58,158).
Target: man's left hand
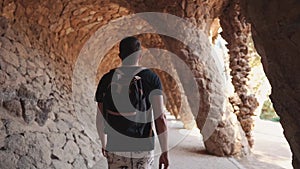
(164,160)
(104,152)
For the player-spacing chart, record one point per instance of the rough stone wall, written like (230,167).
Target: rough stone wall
(39,128)
(276,33)
(39,44)
(236,31)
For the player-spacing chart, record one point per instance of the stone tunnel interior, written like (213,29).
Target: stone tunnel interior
(53,54)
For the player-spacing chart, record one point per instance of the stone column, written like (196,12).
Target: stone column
(177,94)
(177,102)
(214,117)
(236,31)
(170,88)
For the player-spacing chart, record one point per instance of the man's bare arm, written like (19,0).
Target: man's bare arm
(100,127)
(161,129)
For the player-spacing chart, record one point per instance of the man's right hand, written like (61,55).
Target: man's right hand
(164,160)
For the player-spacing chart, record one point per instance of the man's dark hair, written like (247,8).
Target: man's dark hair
(129,46)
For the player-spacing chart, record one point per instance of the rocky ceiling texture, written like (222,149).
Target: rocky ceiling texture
(47,117)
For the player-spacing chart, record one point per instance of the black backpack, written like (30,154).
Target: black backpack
(125,108)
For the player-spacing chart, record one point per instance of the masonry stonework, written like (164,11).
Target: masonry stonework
(236,31)
(276,34)
(40,42)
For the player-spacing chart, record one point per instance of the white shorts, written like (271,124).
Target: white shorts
(130,160)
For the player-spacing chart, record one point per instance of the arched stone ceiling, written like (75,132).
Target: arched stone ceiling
(40,43)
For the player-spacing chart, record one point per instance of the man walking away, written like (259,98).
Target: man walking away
(126,97)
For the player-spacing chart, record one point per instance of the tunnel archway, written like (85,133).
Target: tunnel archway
(213,110)
(51,106)
(39,44)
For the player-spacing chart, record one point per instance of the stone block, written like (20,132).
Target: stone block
(79,163)
(57,140)
(7,45)
(41,117)
(8,160)
(87,152)
(45,104)
(71,150)
(59,154)
(247,124)
(26,162)
(69,136)
(29,110)
(38,149)
(16,143)
(43,21)
(10,57)
(13,127)
(62,126)
(59,165)
(8,93)
(244,110)
(26,93)
(67,117)
(14,107)
(29,115)
(51,126)
(81,139)
(21,50)
(12,72)
(2,136)
(23,67)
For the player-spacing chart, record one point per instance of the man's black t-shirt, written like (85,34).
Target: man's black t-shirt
(151,86)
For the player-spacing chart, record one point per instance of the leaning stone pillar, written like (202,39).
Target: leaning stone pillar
(184,112)
(158,58)
(171,91)
(236,31)
(214,116)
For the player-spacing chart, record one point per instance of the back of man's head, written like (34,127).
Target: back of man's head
(129,46)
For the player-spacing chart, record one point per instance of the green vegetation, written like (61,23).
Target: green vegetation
(268,112)
(259,85)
